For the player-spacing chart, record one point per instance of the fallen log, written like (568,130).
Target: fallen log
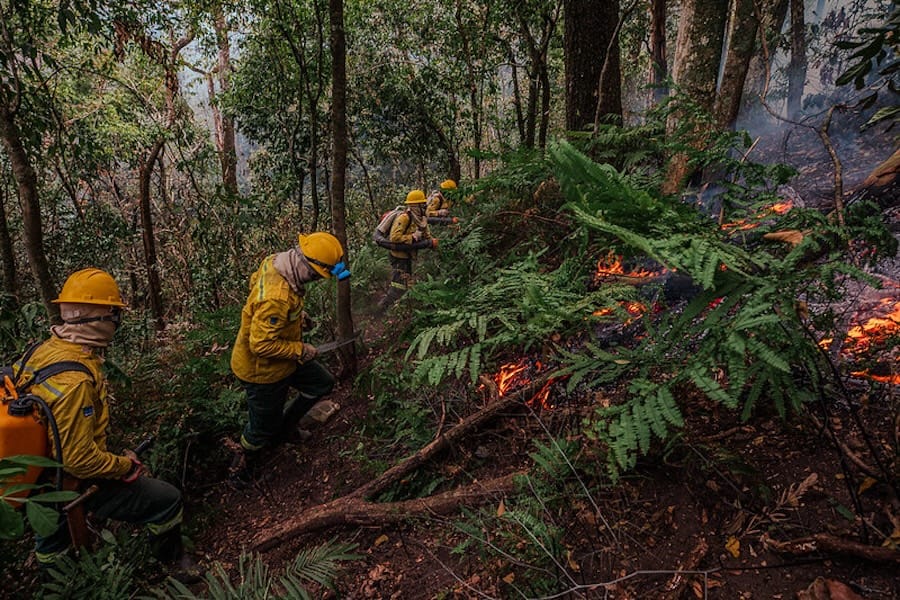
(351,510)
(824,542)
(354,509)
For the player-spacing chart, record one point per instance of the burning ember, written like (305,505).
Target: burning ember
(514,375)
(779,208)
(635,309)
(866,338)
(612,267)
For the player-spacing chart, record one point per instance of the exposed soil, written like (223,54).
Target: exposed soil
(714,506)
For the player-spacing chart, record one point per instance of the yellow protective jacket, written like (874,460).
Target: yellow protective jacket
(268,343)
(437,202)
(80,408)
(402,230)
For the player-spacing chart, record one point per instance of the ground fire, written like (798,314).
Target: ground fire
(514,375)
(779,208)
(870,338)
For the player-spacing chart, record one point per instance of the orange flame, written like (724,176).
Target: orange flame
(513,375)
(612,266)
(862,339)
(779,208)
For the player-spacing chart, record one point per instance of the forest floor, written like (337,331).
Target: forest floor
(714,507)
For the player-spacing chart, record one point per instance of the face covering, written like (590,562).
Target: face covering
(87,324)
(293,267)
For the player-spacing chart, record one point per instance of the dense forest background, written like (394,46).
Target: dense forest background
(677,221)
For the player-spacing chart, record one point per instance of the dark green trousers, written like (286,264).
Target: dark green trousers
(146,501)
(271,416)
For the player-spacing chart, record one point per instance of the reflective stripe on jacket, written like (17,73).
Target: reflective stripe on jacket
(268,342)
(80,409)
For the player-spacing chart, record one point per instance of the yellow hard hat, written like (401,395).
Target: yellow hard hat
(91,286)
(448,184)
(324,253)
(415,197)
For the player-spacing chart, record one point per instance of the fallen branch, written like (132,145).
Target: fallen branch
(823,542)
(443,441)
(675,585)
(354,509)
(350,510)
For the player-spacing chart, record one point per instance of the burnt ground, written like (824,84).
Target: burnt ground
(713,505)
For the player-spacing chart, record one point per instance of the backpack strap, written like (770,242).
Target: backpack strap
(24,361)
(45,373)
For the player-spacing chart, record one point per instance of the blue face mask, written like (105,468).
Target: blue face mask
(339,270)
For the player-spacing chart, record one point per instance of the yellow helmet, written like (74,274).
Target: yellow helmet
(415,197)
(448,184)
(91,286)
(324,253)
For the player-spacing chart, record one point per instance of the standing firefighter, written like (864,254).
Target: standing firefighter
(438,204)
(91,307)
(409,232)
(269,356)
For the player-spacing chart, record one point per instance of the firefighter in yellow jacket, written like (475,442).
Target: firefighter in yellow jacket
(409,226)
(269,356)
(438,204)
(90,306)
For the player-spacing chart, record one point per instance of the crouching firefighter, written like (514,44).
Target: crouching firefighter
(77,397)
(409,233)
(269,355)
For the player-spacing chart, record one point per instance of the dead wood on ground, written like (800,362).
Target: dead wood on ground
(829,544)
(354,509)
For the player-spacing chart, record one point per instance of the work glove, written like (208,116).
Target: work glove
(308,353)
(137,467)
(307,322)
(443,212)
(416,236)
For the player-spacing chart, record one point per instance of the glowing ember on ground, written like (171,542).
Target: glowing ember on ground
(635,309)
(779,208)
(612,266)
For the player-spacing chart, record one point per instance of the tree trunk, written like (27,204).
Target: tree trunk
(698,52)
(770,16)
(659,68)
(339,173)
(742,28)
(589,26)
(26,181)
(797,67)
(7,253)
(227,150)
(474,85)
(148,236)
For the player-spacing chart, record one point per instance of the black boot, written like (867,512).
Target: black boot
(168,549)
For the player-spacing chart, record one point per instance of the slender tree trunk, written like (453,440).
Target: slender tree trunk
(26,181)
(797,67)
(7,253)
(474,85)
(228,152)
(770,15)
(589,25)
(339,172)
(148,236)
(742,28)
(698,52)
(659,69)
